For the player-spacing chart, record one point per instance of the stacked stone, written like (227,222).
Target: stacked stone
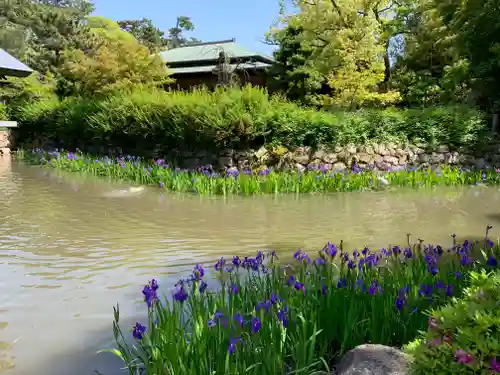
(4,143)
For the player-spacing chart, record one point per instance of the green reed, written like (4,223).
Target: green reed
(268,318)
(204,181)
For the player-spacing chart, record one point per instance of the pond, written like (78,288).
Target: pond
(71,247)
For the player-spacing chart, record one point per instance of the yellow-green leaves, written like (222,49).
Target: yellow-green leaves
(114,60)
(347,40)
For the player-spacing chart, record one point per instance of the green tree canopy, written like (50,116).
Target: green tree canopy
(112,59)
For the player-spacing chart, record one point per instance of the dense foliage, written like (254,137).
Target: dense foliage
(463,337)
(360,56)
(272,318)
(81,52)
(377,52)
(237,118)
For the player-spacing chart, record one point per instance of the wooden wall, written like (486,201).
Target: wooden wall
(187,81)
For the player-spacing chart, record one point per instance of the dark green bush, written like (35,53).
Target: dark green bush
(463,337)
(237,118)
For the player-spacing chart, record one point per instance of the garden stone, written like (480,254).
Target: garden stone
(300,168)
(364,158)
(261,152)
(302,151)
(243,154)
(423,158)
(243,164)
(382,150)
(437,158)
(351,149)
(319,154)
(191,163)
(391,159)
(225,161)
(339,166)
(330,158)
(384,166)
(480,163)
(284,165)
(465,159)
(369,359)
(412,158)
(227,152)
(443,149)
(488,158)
(369,150)
(337,149)
(450,158)
(301,159)
(390,146)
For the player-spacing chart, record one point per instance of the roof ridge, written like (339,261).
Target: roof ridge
(208,43)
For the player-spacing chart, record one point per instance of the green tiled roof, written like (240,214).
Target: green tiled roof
(210,51)
(210,68)
(10,66)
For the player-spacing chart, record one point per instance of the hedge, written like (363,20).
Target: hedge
(234,118)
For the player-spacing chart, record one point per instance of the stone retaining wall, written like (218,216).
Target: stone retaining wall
(378,156)
(4,142)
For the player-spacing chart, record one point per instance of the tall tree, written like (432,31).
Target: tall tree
(112,60)
(152,37)
(145,32)
(176,36)
(475,27)
(14,33)
(295,73)
(430,70)
(349,43)
(45,29)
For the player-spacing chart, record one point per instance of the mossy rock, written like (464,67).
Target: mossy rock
(279,151)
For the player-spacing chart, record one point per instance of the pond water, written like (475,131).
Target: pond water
(72,247)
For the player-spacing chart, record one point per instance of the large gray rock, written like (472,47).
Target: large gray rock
(371,359)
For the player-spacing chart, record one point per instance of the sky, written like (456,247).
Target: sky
(247,21)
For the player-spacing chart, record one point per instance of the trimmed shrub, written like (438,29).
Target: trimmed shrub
(235,118)
(463,337)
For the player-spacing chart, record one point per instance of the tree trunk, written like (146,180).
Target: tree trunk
(387,64)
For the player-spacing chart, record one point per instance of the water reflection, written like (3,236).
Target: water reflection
(69,251)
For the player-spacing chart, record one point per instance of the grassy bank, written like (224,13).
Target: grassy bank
(234,118)
(269,317)
(205,181)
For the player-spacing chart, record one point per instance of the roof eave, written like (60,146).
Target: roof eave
(173,73)
(15,73)
(257,57)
